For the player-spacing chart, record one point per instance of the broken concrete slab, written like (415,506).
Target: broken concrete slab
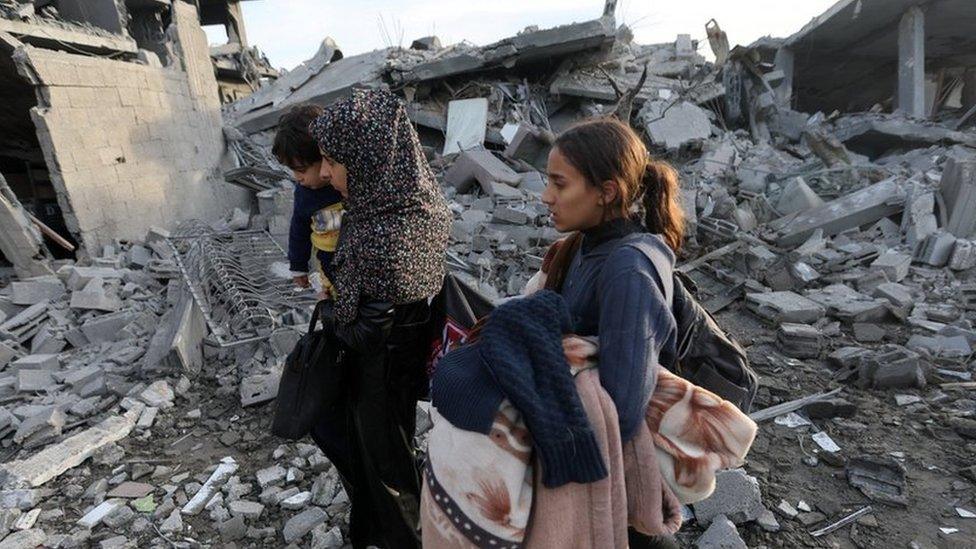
(32,291)
(481,166)
(76,278)
(671,124)
(71,452)
(854,210)
(963,255)
(797,197)
(736,496)
(95,296)
(891,367)
(958,191)
(30,381)
(467,121)
(25,539)
(875,135)
(936,249)
(721,534)
(525,47)
(894,264)
(297,526)
(47,362)
(847,304)
(778,307)
(25,324)
(799,340)
(48,421)
(530,145)
(179,344)
(259,388)
(158,395)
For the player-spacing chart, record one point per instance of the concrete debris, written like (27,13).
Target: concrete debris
(881,479)
(671,124)
(799,340)
(721,534)
(846,226)
(779,307)
(224,471)
(736,496)
(301,524)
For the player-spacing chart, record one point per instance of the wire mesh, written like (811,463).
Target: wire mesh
(234,279)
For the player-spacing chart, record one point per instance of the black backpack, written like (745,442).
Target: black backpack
(706,355)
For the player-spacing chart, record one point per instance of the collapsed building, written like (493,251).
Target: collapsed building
(111,113)
(828,180)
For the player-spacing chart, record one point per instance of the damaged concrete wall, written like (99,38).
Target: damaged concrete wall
(131,146)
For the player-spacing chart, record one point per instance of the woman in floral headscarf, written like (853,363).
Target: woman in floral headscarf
(389,262)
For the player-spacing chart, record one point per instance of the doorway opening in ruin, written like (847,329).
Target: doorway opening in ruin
(22,162)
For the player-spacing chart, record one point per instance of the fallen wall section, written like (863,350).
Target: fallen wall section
(131,146)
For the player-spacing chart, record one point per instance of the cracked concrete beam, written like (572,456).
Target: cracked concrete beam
(54,36)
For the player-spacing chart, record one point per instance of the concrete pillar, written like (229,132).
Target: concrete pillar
(610,8)
(235,24)
(911,63)
(969,89)
(784,62)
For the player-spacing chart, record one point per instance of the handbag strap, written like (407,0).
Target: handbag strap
(316,315)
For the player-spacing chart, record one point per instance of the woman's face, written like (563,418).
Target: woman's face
(334,173)
(575,205)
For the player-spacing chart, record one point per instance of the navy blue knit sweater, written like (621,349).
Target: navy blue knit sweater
(520,356)
(307,203)
(615,293)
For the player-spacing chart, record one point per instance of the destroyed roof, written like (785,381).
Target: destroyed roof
(846,57)
(328,76)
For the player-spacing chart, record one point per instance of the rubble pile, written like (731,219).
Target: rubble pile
(837,245)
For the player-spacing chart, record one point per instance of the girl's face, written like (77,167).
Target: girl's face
(334,173)
(575,205)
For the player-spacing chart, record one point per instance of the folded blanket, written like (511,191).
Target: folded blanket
(480,491)
(696,432)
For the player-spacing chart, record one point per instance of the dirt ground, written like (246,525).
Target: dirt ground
(916,435)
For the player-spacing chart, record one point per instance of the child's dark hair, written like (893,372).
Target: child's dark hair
(607,149)
(293,145)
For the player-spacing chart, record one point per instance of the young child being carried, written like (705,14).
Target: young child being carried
(317,215)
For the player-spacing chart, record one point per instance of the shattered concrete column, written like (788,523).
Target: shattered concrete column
(911,63)
(784,61)
(610,8)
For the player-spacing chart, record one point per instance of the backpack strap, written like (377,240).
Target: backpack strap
(661,263)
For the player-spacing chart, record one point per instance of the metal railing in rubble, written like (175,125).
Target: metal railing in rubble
(239,279)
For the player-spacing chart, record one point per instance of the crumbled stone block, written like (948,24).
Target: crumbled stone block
(303,523)
(95,297)
(46,362)
(271,476)
(721,534)
(736,496)
(29,381)
(36,290)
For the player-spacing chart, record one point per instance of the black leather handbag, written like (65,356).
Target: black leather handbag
(311,380)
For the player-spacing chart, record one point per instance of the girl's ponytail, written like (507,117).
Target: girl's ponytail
(662,203)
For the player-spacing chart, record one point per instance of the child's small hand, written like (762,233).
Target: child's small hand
(302,281)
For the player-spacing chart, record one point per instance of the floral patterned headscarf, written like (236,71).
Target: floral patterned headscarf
(395,231)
